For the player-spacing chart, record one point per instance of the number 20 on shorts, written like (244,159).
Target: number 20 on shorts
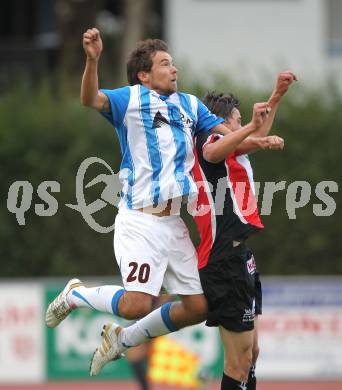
(141,273)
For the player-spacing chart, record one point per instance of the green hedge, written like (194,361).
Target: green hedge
(44,137)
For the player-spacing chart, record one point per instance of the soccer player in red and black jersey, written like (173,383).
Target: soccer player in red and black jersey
(226,216)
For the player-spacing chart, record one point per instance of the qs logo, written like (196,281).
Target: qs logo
(20,193)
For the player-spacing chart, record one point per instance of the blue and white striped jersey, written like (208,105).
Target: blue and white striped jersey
(156,139)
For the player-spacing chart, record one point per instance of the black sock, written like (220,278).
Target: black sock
(139,369)
(229,383)
(251,384)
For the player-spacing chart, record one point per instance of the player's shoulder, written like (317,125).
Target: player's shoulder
(121,91)
(118,99)
(189,100)
(187,95)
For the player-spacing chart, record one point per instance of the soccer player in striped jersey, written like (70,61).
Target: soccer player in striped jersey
(155,125)
(227,215)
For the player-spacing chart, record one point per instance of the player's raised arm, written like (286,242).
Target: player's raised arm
(284,80)
(219,150)
(90,94)
(253,144)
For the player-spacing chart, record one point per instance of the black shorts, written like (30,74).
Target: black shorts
(232,287)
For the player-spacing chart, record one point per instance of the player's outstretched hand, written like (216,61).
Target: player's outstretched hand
(260,113)
(272,142)
(92,43)
(284,80)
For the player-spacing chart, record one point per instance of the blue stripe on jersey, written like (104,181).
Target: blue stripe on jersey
(181,147)
(151,143)
(186,105)
(127,163)
(118,101)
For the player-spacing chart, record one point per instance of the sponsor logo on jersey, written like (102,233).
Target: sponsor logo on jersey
(159,121)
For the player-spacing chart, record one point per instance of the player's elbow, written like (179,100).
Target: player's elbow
(86,102)
(98,102)
(212,155)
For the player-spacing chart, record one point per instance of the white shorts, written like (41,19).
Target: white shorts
(155,251)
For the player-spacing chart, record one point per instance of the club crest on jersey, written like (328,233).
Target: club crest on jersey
(251,265)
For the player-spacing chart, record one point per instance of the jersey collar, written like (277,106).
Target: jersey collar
(156,94)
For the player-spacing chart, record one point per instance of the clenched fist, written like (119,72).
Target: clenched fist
(272,142)
(260,113)
(284,80)
(92,43)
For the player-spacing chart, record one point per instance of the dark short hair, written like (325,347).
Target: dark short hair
(220,104)
(140,58)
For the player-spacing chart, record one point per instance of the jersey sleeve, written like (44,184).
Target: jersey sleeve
(205,119)
(118,101)
(205,138)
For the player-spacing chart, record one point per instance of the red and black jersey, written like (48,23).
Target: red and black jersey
(226,208)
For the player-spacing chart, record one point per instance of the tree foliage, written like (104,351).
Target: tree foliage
(44,137)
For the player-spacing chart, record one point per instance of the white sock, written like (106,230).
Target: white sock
(155,324)
(103,298)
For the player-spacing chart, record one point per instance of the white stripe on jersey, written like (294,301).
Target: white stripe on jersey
(167,152)
(244,161)
(189,157)
(135,143)
(194,104)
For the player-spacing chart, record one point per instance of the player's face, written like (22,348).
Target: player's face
(163,76)
(234,121)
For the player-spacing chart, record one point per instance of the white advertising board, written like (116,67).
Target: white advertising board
(22,352)
(301,329)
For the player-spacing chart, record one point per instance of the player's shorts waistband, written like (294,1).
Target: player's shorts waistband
(142,214)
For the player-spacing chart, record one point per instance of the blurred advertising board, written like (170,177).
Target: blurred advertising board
(70,346)
(22,347)
(300,334)
(301,329)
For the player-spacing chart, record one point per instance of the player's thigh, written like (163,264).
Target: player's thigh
(237,345)
(138,252)
(182,277)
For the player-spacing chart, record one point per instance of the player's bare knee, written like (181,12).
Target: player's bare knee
(134,305)
(239,367)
